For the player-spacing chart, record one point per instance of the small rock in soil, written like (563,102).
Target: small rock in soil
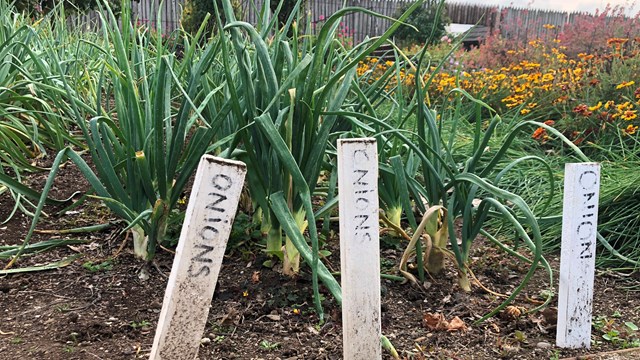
(543,345)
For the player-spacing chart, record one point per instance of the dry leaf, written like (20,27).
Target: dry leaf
(434,321)
(438,322)
(255,278)
(229,317)
(511,313)
(457,324)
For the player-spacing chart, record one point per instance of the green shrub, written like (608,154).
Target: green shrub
(426,20)
(195,11)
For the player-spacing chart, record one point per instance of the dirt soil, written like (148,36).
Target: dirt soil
(106,303)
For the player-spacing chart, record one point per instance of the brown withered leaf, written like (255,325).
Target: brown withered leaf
(437,322)
(255,278)
(511,313)
(456,324)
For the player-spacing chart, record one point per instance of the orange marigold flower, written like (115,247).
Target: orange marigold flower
(631,129)
(615,41)
(582,109)
(585,57)
(625,84)
(539,133)
(549,122)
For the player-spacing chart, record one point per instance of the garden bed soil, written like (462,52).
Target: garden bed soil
(106,303)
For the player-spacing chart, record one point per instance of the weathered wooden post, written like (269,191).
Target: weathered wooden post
(207,225)
(359,248)
(577,256)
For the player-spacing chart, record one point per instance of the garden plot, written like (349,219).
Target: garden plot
(404,207)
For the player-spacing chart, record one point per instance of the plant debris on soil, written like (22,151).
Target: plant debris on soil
(106,304)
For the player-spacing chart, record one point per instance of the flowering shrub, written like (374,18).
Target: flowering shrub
(343,34)
(586,34)
(593,97)
(588,97)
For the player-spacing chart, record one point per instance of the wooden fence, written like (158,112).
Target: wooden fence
(511,22)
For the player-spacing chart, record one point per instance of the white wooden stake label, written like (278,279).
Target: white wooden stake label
(207,225)
(577,256)
(359,248)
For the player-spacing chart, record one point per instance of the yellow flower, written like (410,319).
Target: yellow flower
(631,129)
(547,77)
(625,84)
(624,106)
(629,115)
(499,77)
(525,111)
(577,72)
(549,26)
(595,107)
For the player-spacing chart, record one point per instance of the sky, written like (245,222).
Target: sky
(561,5)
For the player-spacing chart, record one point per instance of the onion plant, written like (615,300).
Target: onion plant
(462,153)
(287,91)
(152,120)
(32,122)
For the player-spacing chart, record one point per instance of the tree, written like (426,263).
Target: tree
(429,24)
